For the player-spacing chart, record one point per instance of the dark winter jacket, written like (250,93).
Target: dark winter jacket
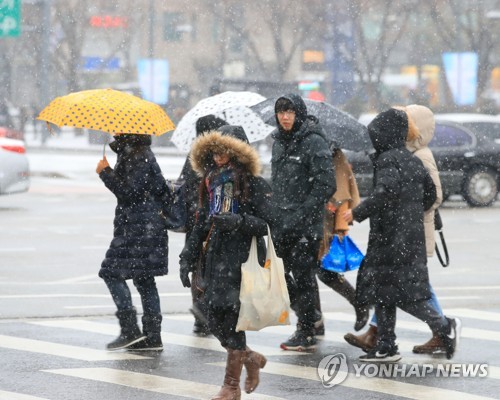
(302,177)
(140,240)
(395,266)
(226,251)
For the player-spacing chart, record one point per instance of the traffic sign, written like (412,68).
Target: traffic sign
(10,18)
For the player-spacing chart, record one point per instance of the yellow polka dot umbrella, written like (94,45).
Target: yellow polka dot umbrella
(109,111)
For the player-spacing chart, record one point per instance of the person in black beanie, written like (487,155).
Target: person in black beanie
(192,183)
(302,181)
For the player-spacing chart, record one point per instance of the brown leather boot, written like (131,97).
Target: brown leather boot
(253,363)
(230,390)
(432,346)
(365,341)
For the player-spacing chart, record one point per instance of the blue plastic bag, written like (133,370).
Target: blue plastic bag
(335,259)
(343,256)
(353,255)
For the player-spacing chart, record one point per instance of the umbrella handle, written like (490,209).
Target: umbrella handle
(104,150)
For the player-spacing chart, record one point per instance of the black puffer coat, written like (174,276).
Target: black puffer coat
(395,266)
(140,239)
(302,176)
(226,251)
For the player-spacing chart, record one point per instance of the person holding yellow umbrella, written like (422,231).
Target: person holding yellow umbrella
(139,248)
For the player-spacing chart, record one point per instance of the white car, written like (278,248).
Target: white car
(14,166)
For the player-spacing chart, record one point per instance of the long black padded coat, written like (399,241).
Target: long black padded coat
(140,239)
(394,269)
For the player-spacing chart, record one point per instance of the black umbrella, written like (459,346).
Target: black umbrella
(343,130)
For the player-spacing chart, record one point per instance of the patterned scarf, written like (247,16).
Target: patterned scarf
(220,185)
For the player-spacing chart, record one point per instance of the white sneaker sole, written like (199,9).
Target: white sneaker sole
(390,359)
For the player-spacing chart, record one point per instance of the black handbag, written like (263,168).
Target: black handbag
(438,226)
(174,207)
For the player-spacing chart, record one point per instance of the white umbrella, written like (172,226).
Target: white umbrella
(233,107)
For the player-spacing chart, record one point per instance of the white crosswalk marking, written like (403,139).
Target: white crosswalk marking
(379,385)
(152,383)
(63,350)
(18,396)
(474,314)
(167,337)
(287,365)
(473,333)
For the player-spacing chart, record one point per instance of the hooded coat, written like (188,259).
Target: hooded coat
(302,176)
(394,269)
(140,238)
(424,121)
(226,251)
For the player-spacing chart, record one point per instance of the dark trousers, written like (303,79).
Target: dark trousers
(423,310)
(146,286)
(301,260)
(222,324)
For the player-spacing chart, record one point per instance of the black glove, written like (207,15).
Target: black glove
(227,221)
(185,268)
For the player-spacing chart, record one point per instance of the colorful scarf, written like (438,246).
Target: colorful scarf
(220,185)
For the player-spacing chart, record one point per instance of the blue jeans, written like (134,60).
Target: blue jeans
(146,286)
(433,302)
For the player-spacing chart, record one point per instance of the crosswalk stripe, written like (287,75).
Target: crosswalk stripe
(474,333)
(474,314)
(371,384)
(4,395)
(152,383)
(167,337)
(63,350)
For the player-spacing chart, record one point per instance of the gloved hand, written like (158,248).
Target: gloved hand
(227,221)
(185,268)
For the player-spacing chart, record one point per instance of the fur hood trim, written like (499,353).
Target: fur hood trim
(213,141)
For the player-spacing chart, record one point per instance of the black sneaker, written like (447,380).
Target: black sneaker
(125,340)
(382,353)
(300,341)
(452,339)
(200,329)
(148,344)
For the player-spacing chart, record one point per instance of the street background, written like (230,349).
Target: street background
(56,315)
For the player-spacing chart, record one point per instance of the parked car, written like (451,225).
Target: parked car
(467,152)
(14,166)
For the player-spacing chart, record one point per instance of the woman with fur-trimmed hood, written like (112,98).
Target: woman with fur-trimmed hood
(234,207)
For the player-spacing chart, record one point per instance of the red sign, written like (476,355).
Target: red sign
(107,21)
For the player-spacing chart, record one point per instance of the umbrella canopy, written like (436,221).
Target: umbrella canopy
(343,130)
(233,107)
(109,111)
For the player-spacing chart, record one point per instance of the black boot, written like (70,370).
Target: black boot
(130,332)
(345,289)
(151,326)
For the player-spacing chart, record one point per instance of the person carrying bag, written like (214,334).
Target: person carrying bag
(235,206)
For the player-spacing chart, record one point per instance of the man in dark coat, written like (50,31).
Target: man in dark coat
(192,181)
(235,207)
(139,249)
(302,181)
(394,270)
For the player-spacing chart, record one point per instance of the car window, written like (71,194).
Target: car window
(450,136)
(487,130)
